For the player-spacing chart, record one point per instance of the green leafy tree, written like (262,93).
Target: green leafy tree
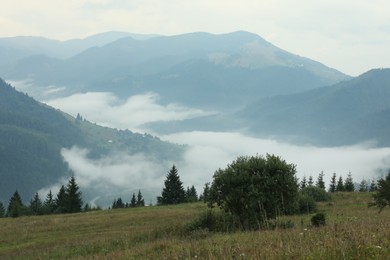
(348,185)
(36,206)
(382,195)
(173,191)
(140,199)
(133,202)
(340,184)
(15,206)
(320,181)
(333,184)
(2,210)
(74,201)
(254,189)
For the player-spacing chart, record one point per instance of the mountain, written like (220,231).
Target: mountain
(347,113)
(32,135)
(195,69)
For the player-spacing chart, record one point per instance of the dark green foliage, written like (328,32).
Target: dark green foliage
(307,204)
(310,181)
(213,221)
(206,192)
(382,195)
(303,183)
(2,210)
(49,205)
(348,185)
(318,219)
(320,181)
(36,207)
(15,206)
(133,202)
(255,189)
(318,194)
(74,201)
(191,194)
(333,185)
(118,204)
(363,187)
(373,186)
(140,199)
(340,184)
(60,201)
(173,191)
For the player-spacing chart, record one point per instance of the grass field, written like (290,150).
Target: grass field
(352,231)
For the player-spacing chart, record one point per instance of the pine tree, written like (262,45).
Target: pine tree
(133,202)
(118,204)
(333,186)
(320,181)
(49,205)
(348,185)
(206,192)
(373,186)
(310,181)
(140,199)
(191,194)
(36,205)
(363,187)
(2,210)
(73,196)
(15,206)
(303,183)
(340,184)
(173,192)
(60,201)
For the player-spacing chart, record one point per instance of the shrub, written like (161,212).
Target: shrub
(212,221)
(307,204)
(318,219)
(316,193)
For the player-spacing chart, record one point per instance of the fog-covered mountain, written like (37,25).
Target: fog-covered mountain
(350,112)
(32,135)
(195,69)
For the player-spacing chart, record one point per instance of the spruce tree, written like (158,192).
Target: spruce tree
(2,210)
(173,191)
(133,202)
(340,184)
(15,206)
(36,207)
(73,196)
(303,183)
(333,185)
(348,185)
(310,181)
(140,199)
(49,204)
(373,186)
(363,187)
(320,181)
(60,201)
(191,194)
(206,192)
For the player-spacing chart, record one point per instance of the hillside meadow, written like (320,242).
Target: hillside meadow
(352,231)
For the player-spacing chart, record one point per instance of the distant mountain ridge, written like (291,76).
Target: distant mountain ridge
(194,69)
(350,112)
(32,135)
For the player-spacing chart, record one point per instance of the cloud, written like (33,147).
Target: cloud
(106,109)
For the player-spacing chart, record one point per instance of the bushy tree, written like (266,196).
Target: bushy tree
(382,195)
(173,191)
(348,185)
(318,194)
(320,181)
(254,189)
(333,185)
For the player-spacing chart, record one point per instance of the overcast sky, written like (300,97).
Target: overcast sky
(351,36)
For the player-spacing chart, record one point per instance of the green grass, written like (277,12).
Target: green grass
(352,231)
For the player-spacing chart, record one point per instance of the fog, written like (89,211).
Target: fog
(122,174)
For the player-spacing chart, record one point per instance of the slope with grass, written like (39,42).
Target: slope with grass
(352,231)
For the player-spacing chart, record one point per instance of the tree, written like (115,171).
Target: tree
(348,185)
(2,210)
(15,206)
(206,192)
(340,184)
(332,186)
(36,207)
(303,183)
(49,205)
(373,186)
(133,202)
(363,187)
(310,182)
(73,196)
(60,201)
(382,195)
(118,204)
(320,181)
(191,194)
(140,199)
(173,192)
(254,189)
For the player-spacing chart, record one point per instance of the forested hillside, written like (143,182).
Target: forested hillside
(32,135)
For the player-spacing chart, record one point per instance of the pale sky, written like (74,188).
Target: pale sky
(351,36)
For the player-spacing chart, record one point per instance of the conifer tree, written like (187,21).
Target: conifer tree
(15,206)
(173,192)
(320,181)
(340,184)
(333,186)
(191,194)
(363,187)
(303,183)
(133,202)
(206,192)
(36,205)
(2,210)
(60,201)
(140,199)
(373,186)
(73,196)
(348,185)
(310,181)
(118,203)
(49,204)
(382,196)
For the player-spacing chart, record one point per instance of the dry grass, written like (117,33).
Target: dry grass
(352,232)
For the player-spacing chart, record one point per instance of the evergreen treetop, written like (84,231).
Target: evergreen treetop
(173,191)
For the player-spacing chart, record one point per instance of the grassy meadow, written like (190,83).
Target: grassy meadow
(352,231)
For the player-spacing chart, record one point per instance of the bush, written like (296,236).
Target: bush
(316,193)
(212,221)
(318,219)
(382,195)
(307,204)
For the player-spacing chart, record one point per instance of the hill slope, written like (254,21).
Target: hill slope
(33,134)
(349,112)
